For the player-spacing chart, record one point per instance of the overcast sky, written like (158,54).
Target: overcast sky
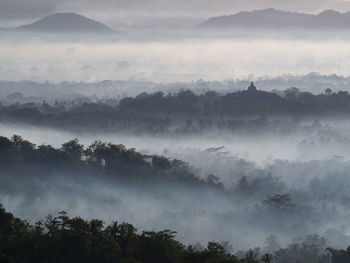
(109,10)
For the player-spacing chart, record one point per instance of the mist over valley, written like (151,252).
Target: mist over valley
(162,132)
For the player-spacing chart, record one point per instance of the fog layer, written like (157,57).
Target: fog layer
(251,168)
(184,60)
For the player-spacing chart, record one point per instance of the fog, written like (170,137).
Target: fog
(208,154)
(315,179)
(256,148)
(306,158)
(171,60)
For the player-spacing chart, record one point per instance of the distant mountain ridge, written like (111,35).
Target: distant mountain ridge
(276,19)
(67,23)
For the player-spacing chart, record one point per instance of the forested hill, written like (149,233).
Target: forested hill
(251,101)
(179,111)
(242,103)
(104,161)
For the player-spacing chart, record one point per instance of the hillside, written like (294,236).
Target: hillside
(67,23)
(276,19)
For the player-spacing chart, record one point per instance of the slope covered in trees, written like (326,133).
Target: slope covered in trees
(181,112)
(65,239)
(19,157)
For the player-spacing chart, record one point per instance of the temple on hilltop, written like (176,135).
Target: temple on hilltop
(252,87)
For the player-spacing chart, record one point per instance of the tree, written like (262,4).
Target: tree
(159,247)
(123,233)
(5,147)
(161,162)
(291,93)
(267,258)
(73,148)
(328,91)
(339,256)
(311,249)
(216,249)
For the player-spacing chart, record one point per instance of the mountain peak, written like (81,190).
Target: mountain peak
(276,19)
(67,23)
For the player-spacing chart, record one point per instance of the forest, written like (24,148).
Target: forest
(104,160)
(162,131)
(181,112)
(65,239)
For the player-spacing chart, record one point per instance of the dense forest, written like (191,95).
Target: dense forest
(247,198)
(180,112)
(65,239)
(20,157)
(130,134)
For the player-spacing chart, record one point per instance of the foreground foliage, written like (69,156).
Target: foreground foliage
(64,239)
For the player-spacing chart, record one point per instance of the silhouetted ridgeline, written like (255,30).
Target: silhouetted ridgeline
(67,240)
(67,23)
(19,157)
(179,112)
(276,19)
(243,103)
(124,180)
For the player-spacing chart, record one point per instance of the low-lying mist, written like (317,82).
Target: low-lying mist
(286,177)
(170,60)
(254,169)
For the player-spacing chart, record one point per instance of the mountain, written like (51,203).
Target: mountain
(276,19)
(67,23)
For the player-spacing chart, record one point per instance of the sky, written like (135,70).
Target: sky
(16,11)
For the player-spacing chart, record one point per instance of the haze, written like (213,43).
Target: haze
(171,61)
(137,113)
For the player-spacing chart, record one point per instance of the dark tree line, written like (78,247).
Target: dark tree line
(106,160)
(242,103)
(70,240)
(29,170)
(63,239)
(22,161)
(180,112)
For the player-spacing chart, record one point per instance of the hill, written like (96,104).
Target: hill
(67,23)
(276,19)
